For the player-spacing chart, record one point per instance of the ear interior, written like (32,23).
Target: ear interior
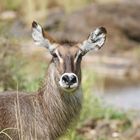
(40,37)
(95,41)
(37,33)
(98,37)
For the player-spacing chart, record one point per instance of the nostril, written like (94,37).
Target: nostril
(73,79)
(65,78)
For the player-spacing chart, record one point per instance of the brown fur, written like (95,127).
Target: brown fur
(46,114)
(46,35)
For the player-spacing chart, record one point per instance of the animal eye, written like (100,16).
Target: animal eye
(54,55)
(78,55)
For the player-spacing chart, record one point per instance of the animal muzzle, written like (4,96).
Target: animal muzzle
(69,81)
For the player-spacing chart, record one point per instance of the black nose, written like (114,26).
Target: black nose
(69,79)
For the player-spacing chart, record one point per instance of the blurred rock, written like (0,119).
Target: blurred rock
(54,18)
(109,129)
(130,1)
(136,135)
(126,17)
(8,15)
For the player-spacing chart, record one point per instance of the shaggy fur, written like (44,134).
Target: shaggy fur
(44,115)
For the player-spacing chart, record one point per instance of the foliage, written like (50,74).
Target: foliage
(17,69)
(9,65)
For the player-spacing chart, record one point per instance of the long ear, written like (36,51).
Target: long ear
(95,40)
(41,38)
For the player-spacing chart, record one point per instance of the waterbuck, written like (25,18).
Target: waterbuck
(47,113)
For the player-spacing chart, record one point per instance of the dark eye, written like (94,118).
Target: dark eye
(79,55)
(54,55)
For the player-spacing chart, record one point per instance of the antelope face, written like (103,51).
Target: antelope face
(66,60)
(67,66)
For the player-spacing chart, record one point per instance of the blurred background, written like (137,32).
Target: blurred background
(111,76)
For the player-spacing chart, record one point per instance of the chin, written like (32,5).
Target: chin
(69,89)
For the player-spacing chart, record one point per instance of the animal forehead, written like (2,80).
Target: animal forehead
(67,50)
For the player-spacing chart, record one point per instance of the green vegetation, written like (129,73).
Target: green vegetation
(17,68)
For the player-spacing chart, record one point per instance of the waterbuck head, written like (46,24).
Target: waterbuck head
(66,60)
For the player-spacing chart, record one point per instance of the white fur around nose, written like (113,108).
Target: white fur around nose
(64,85)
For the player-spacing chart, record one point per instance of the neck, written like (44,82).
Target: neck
(61,107)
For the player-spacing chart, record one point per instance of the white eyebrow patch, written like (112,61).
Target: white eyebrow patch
(59,57)
(77,56)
